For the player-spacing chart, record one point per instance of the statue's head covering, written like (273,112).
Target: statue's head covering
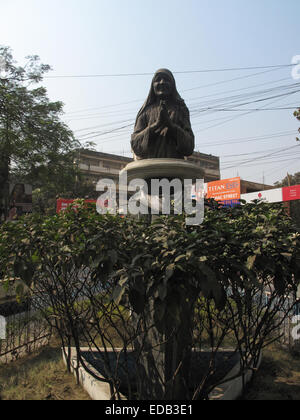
(151,99)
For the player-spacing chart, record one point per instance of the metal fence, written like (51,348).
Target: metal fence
(22,330)
(290,328)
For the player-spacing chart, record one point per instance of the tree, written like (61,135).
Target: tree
(289,180)
(34,143)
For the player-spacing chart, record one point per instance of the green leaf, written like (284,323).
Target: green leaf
(250,262)
(287,255)
(180,257)
(35,258)
(67,249)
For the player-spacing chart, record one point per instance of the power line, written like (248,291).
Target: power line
(262,157)
(233,99)
(193,112)
(239,89)
(191,89)
(101,114)
(231,80)
(266,163)
(249,153)
(105,125)
(106,132)
(186,90)
(278,97)
(213,109)
(104,106)
(269,173)
(174,72)
(101,133)
(265,159)
(249,109)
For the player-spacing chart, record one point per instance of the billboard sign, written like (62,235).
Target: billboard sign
(276,195)
(228,191)
(268,196)
(62,203)
(291,193)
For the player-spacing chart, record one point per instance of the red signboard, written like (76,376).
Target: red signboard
(291,193)
(62,204)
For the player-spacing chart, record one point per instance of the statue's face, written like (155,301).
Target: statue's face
(162,86)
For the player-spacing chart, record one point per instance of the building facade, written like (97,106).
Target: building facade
(251,187)
(209,163)
(97,165)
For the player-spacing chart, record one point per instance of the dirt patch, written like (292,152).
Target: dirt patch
(40,376)
(278,377)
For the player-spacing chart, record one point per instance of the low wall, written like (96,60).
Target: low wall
(100,391)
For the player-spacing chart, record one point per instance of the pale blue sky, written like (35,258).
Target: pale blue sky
(88,37)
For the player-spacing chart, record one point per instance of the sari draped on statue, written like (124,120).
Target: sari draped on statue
(173,144)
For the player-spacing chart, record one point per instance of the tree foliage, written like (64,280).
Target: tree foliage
(35,144)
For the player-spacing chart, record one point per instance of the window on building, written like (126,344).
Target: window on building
(90,162)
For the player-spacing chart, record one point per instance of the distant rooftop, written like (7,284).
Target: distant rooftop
(128,159)
(205,155)
(106,155)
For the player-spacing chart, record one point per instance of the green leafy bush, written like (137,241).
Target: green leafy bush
(92,274)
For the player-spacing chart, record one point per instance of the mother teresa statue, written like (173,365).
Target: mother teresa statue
(163,129)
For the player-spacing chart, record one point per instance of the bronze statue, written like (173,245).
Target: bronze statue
(163,128)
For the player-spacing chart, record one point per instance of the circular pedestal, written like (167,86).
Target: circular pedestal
(162,168)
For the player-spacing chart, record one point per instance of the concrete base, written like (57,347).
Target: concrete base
(162,168)
(97,390)
(233,389)
(100,391)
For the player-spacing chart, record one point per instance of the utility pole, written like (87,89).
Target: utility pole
(289,184)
